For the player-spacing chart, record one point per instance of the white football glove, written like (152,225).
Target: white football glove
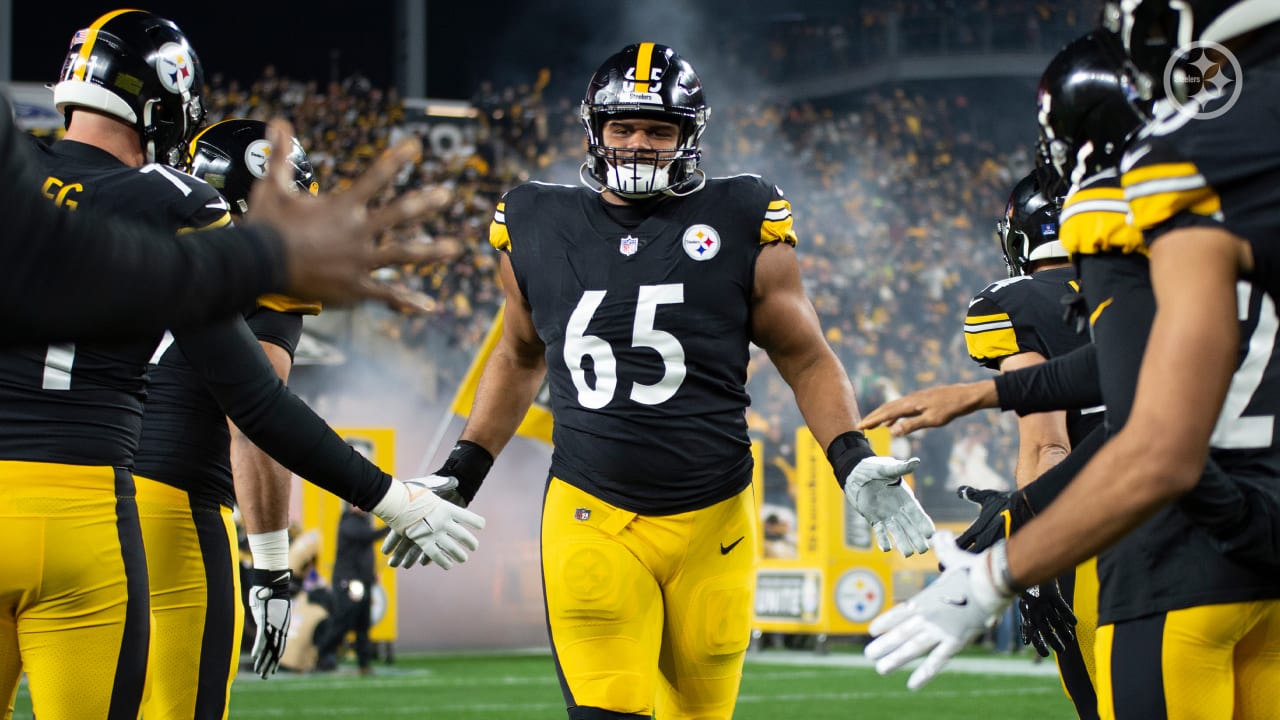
(269,604)
(425,526)
(966,600)
(877,491)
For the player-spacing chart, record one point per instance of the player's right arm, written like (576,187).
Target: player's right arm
(513,374)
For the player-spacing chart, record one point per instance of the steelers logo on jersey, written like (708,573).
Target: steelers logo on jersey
(701,242)
(256,157)
(174,67)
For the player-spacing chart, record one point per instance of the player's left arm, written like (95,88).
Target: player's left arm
(786,325)
(1161,451)
(1042,437)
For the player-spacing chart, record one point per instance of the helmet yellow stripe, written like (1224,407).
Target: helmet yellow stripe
(644,61)
(86,48)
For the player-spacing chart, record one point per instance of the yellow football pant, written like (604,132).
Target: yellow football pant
(74,611)
(1211,662)
(649,612)
(195,603)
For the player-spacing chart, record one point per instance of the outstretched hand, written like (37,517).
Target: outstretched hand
(931,407)
(331,242)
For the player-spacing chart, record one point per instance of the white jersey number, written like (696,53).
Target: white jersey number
(1235,430)
(578,345)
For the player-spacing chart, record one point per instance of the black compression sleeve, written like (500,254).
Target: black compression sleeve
(240,377)
(1067,382)
(1045,488)
(282,329)
(73,275)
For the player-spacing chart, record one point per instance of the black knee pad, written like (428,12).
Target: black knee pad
(593,713)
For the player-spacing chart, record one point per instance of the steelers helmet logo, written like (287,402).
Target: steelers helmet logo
(256,157)
(174,66)
(701,242)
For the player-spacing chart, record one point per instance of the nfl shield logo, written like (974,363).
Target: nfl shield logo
(582,514)
(628,246)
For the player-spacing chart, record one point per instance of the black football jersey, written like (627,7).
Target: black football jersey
(1220,172)
(646,320)
(1025,314)
(185,440)
(81,403)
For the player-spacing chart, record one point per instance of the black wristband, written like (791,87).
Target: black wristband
(846,451)
(470,463)
(277,580)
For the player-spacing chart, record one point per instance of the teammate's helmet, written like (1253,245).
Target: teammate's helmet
(1028,232)
(647,81)
(1153,31)
(1088,106)
(231,155)
(138,67)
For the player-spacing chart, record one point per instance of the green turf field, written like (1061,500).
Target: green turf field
(776,685)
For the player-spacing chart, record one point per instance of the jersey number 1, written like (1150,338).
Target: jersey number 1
(578,344)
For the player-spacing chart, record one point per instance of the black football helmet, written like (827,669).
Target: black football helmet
(1028,232)
(1154,32)
(140,68)
(231,155)
(651,81)
(1088,108)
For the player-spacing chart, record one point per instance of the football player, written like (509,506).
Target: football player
(1198,197)
(1017,323)
(76,614)
(637,298)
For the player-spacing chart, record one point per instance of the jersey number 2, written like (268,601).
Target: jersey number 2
(1235,430)
(578,344)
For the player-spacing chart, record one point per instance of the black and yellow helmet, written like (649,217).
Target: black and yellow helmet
(231,155)
(1028,231)
(138,67)
(651,81)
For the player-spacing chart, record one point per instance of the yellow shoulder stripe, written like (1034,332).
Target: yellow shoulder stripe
(1150,210)
(992,344)
(1097,231)
(976,319)
(286,304)
(220,222)
(498,236)
(1161,171)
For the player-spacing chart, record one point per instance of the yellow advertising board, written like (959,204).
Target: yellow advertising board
(322,511)
(836,580)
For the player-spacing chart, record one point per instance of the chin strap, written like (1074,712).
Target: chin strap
(589,180)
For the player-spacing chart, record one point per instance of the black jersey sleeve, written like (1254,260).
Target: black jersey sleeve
(239,376)
(77,276)
(282,329)
(1066,382)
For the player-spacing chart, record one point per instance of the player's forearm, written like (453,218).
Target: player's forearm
(506,391)
(823,393)
(1067,382)
(1042,443)
(262,486)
